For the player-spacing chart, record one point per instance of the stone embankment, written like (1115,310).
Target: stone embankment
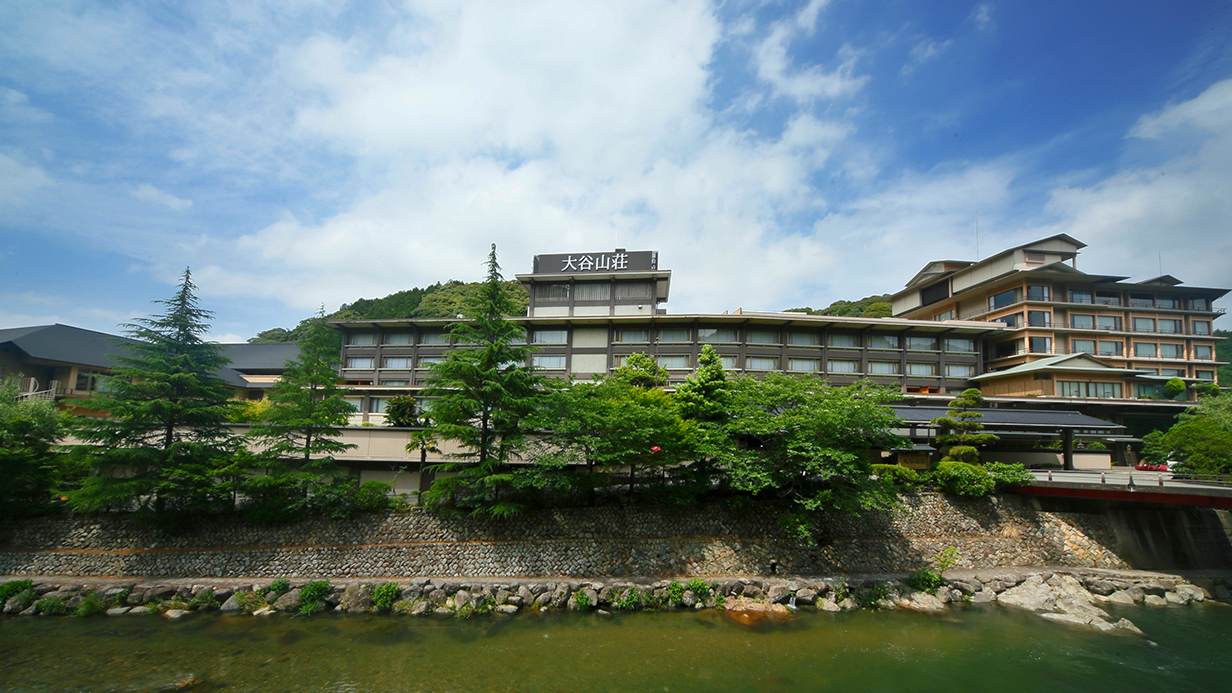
(1067,596)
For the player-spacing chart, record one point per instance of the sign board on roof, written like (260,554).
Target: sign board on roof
(619,260)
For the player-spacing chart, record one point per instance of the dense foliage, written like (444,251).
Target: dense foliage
(1201,441)
(959,430)
(29,468)
(867,307)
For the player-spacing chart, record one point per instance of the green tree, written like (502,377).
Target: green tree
(29,468)
(1173,387)
(1202,438)
(960,438)
(484,391)
(640,370)
(810,442)
(164,442)
(704,398)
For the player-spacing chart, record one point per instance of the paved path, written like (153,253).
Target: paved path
(1122,476)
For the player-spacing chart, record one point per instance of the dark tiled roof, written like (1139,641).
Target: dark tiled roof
(260,357)
(1033,418)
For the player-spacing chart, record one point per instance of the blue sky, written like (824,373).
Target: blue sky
(779,154)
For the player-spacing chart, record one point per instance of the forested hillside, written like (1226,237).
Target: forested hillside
(868,307)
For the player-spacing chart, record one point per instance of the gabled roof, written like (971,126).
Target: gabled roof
(1161,280)
(1071,363)
(260,357)
(1010,418)
(939,268)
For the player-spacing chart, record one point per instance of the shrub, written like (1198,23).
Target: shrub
(1008,474)
(963,479)
(925,580)
(251,601)
(946,558)
(583,602)
(204,600)
(383,597)
(869,594)
(631,599)
(27,597)
(311,595)
(675,592)
(90,605)
(13,588)
(279,587)
(699,588)
(53,606)
(897,475)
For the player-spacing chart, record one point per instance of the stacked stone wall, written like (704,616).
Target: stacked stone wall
(605,541)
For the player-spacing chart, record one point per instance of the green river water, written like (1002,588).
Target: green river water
(975,648)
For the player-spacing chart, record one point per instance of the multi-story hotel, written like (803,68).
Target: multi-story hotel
(1070,334)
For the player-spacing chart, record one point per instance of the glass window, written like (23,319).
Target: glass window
(1081,296)
(922,343)
(712,335)
(1201,327)
(803,365)
(1108,322)
(959,345)
(960,370)
(1039,293)
(1171,351)
(729,362)
(551,292)
(842,340)
(1039,318)
(1081,389)
(635,336)
(1041,345)
(1082,322)
(1169,302)
(803,338)
(1204,375)
(434,338)
(884,368)
(947,315)
(426,361)
(1108,298)
(882,341)
(1170,326)
(1001,300)
(1012,320)
(763,337)
(552,363)
(1145,350)
(1141,301)
(1144,325)
(1172,372)
(553,336)
(376,405)
(1202,352)
(673,361)
(592,291)
(362,339)
(842,366)
(760,363)
(1104,390)
(360,362)
(1008,348)
(922,369)
(403,362)
(1109,348)
(398,338)
(1148,390)
(395,383)
(1082,346)
(675,336)
(1199,304)
(639,291)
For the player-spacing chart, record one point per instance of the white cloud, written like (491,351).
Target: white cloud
(15,108)
(149,193)
(924,51)
(982,16)
(776,67)
(18,181)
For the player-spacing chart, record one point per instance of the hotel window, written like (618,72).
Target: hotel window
(760,363)
(947,315)
(842,340)
(1170,326)
(1001,300)
(1041,345)
(842,366)
(376,405)
(1009,348)
(1204,375)
(1107,298)
(1202,352)
(1144,325)
(1172,372)
(400,362)
(1144,350)
(432,338)
(427,361)
(957,345)
(1148,391)
(395,383)
(630,291)
(1012,320)
(551,363)
(398,339)
(551,292)
(763,337)
(712,335)
(675,362)
(1111,323)
(553,336)
(960,370)
(1082,346)
(675,336)
(356,403)
(729,362)
(803,338)
(1039,293)
(89,380)
(1082,322)
(922,369)
(882,341)
(362,339)
(884,368)
(922,343)
(1101,390)
(360,362)
(1039,318)
(592,292)
(1201,327)
(1168,302)
(1199,304)
(803,365)
(1109,348)
(1081,296)
(633,336)
(1141,301)
(1171,351)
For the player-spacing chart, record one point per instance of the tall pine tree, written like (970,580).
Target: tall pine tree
(163,443)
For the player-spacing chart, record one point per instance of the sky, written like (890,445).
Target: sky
(304,154)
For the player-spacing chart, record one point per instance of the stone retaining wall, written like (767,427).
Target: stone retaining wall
(582,542)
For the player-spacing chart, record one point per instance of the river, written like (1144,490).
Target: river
(972,648)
